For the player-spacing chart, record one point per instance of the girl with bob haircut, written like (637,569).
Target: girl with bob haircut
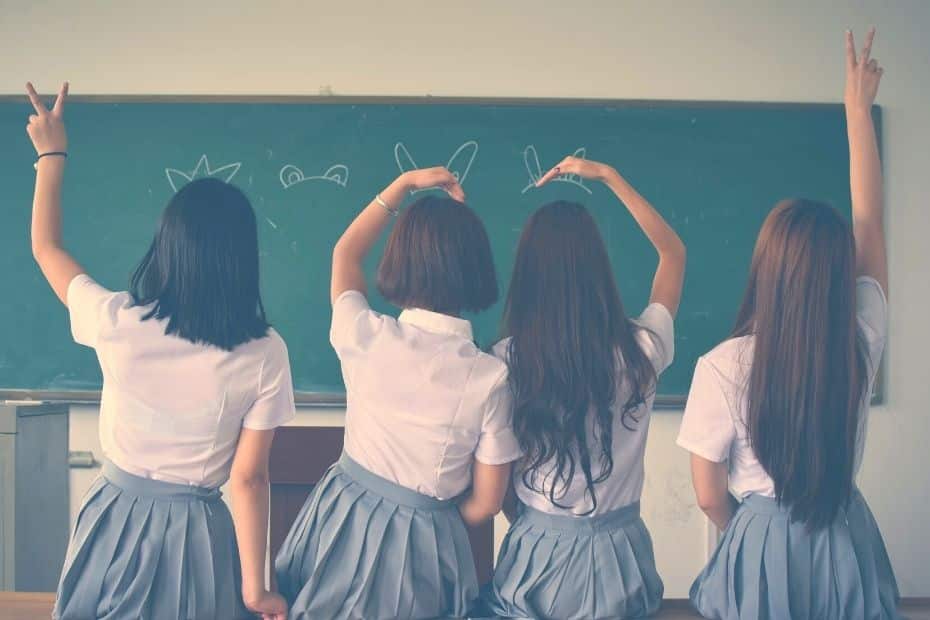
(583,380)
(776,414)
(194,384)
(428,442)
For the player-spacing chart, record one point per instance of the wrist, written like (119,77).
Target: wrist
(856,112)
(252,591)
(607,174)
(49,160)
(401,184)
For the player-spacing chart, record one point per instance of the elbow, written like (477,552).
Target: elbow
(677,251)
(251,480)
(40,251)
(710,503)
(480,512)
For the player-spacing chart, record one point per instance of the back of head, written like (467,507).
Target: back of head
(808,374)
(201,272)
(567,326)
(438,257)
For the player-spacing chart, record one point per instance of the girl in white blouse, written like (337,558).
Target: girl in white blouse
(194,384)
(776,414)
(583,377)
(427,417)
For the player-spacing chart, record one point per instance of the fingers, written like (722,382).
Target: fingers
(867,48)
(455,191)
(59,108)
(34,99)
(565,166)
(850,51)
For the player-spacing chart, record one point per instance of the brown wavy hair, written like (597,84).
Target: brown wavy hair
(571,344)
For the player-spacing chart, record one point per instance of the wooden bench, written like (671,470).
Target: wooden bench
(33,605)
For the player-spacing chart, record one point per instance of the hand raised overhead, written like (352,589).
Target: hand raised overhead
(46,127)
(863,74)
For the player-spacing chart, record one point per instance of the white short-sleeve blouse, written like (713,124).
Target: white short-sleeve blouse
(170,409)
(422,400)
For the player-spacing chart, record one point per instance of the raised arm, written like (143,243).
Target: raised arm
(670,273)
(358,239)
(46,129)
(863,75)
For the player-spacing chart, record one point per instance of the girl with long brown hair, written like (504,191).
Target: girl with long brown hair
(583,379)
(776,414)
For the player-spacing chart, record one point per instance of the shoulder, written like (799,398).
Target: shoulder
(489,372)
(501,350)
(655,334)
(731,359)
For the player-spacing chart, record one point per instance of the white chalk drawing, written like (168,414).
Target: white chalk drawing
(459,164)
(531,160)
(291,175)
(177,178)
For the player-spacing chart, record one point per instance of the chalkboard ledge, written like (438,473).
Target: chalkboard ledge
(334,400)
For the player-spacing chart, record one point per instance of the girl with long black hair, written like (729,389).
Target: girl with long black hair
(583,380)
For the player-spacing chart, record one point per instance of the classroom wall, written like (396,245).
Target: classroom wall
(665,49)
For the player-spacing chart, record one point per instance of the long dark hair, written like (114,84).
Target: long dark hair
(201,270)
(808,373)
(570,340)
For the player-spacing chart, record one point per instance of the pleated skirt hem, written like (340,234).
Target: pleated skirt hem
(150,550)
(569,568)
(768,566)
(363,547)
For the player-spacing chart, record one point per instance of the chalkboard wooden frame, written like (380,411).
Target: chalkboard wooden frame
(338,399)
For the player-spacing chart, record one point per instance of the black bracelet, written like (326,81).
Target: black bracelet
(49,154)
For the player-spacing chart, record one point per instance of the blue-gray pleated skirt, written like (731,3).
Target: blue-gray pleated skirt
(768,566)
(564,567)
(364,547)
(148,549)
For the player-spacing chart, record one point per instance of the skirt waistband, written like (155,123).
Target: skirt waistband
(390,490)
(607,521)
(156,489)
(762,504)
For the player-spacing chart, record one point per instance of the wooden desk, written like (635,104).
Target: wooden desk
(33,605)
(299,458)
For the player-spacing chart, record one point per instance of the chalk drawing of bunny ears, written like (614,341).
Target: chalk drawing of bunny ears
(531,160)
(291,175)
(459,164)
(178,179)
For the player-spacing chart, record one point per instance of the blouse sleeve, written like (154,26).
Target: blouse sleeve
(274,404)
(497,443)
(707,428)
(657,338)
(88,306)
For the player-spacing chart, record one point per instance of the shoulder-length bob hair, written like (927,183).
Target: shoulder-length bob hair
(438,258)
(808,375)
(571,347)
(200,273)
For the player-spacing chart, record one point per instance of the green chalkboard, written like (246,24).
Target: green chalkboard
(713,170)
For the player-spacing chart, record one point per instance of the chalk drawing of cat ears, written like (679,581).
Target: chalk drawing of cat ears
(531,161)
(459,164)
(177,178)
(291,175)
